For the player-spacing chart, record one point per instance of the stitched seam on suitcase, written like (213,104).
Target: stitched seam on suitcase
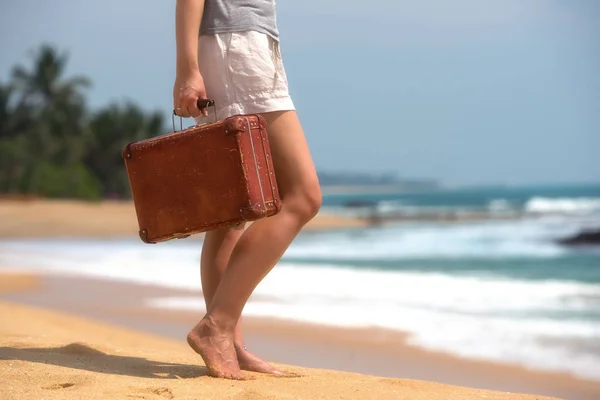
(268,166)
(262,193)
(245,171)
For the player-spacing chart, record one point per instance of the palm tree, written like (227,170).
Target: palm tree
(49,145)
(14,149)
(56,105)
(6,113)
(44,84)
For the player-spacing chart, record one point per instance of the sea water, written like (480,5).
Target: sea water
(503,290)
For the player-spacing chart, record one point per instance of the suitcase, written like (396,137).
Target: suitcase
(201,178)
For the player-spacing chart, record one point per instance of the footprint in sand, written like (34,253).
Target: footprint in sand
(57,386)
(82,349)
(162,392)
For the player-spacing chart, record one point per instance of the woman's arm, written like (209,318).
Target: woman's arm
(188,14)
(189,85)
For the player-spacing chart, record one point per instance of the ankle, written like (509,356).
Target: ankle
(239,346)
(220,322)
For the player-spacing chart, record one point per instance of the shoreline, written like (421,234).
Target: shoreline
(366,351)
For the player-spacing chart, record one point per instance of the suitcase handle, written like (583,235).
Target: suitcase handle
(201,103)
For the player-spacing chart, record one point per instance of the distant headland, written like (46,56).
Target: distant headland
(361,182)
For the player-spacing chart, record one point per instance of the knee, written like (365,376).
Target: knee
(313,200)
(224,234)
(305,203)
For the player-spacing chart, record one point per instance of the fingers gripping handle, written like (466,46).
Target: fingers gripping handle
(202,103)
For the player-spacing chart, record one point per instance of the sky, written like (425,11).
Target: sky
(466,92)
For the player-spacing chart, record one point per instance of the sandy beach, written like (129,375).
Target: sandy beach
(51,218)
(71,337)
(54,355)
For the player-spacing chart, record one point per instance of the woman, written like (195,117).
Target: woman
(228,51)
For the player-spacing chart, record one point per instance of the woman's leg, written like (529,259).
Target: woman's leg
(216,252)
(260,246)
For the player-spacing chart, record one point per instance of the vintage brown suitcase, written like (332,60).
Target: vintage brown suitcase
(201,178)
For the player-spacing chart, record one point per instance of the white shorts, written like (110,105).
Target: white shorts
(243,73)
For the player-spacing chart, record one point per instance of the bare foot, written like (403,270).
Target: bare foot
(215,346)
(251,362)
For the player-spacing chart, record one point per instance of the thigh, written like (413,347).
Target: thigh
(293,163)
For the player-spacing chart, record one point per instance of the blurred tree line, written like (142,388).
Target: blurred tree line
(52,145)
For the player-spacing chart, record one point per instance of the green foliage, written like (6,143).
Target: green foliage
(51,180)
(51,145)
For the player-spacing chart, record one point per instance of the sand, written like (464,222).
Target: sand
(48,218)
(51,355)
(18,282)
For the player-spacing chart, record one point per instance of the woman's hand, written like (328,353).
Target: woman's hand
(188,88)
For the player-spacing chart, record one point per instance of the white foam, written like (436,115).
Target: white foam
(474,240)
(500,207)
(568,205)
(170,266)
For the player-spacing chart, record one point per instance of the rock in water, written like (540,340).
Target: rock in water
(583,238)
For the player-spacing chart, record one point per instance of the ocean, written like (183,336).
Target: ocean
(502,290)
